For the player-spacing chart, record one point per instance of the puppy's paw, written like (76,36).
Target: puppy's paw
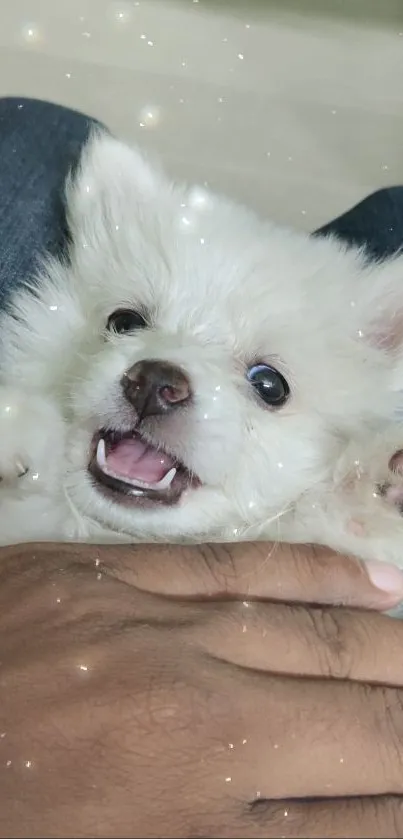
(29,439)
(12,469)
(391,489)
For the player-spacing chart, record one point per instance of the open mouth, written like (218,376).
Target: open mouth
(131,470)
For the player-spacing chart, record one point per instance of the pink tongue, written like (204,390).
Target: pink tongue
(134,459)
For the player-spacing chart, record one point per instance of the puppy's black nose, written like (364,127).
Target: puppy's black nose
(155,388)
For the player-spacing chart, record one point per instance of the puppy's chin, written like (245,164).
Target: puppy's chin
(201,514)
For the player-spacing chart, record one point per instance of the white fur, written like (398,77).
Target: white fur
(223,289)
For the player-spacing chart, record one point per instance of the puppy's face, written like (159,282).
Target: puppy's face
(208,365)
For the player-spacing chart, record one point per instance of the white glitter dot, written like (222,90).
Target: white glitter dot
(122,12)
(244,742)
(240,56)
(202,241)
(230,745)
(150,43)
(8,763)
(199,198)
(244,628)
(31,33)
(303,212)
(280,465)
(275,746)
(83,667)
(150,116)
(28,764)
(342,760)
(235,531)
(360,333)
(68,75)
(286,812)
(58,600)
(246,604)
(228,780)
(86,34)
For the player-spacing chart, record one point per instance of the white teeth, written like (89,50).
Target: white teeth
(101,454)
(164,483)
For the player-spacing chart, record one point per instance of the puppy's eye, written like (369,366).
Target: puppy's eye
(269,384)
(125,320)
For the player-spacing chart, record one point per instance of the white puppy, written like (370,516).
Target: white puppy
(194,373)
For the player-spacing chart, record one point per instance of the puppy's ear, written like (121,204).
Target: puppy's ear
(110,176)
(382,297)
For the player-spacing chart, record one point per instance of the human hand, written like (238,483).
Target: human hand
(191,713)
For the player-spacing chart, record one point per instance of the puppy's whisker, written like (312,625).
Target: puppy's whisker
(251,528)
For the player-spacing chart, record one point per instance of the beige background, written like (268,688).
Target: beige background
(295,106)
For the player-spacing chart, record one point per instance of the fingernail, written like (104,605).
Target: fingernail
(386,577)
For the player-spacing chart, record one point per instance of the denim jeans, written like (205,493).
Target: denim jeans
(39,142)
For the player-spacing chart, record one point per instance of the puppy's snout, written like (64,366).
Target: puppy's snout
(155,388)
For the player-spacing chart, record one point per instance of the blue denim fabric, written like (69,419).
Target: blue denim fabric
(39,142)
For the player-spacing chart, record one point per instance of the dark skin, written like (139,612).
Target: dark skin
(179,692)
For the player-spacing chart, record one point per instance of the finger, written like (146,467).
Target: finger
(352,818)
(300,641)
(299,573)
(302,573)
(294,738)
